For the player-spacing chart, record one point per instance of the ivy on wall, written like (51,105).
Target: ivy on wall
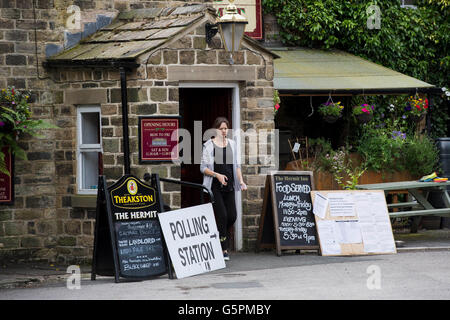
(415,42)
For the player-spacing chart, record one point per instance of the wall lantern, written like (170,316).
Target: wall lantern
(231,27)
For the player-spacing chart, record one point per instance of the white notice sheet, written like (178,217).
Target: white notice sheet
(326,230)
(320,205)
(370,238)
(348,231)
(341,204)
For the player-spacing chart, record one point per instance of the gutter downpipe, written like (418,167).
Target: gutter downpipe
(126,144)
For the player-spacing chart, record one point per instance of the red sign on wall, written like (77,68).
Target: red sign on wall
(158,138)
(6,182)
(251,9)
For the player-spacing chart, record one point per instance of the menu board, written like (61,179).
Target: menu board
(131,238)
(352,222)
(140,248)
(158,138)
(287,210)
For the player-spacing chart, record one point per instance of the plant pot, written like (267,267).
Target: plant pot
(364,117)
(330,119)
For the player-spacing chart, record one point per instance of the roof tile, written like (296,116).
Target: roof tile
(133,33)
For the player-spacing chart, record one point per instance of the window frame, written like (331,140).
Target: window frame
(84,148)
(408,6)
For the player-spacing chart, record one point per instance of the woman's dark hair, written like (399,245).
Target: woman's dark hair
(219,121)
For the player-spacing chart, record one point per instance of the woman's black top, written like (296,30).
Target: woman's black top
(223,164)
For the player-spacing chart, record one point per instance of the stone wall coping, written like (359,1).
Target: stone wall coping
(84,201)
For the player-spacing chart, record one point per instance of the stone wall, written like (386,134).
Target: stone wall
(47,222)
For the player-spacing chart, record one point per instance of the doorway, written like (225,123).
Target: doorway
(203,105)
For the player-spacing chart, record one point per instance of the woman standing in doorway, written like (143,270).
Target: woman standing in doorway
(222,176)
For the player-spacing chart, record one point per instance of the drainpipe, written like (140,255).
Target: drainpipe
(429,116)
(126,145)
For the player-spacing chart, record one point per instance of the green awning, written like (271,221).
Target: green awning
(306,70)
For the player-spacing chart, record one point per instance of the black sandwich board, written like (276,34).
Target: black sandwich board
(128,240)
(287,221)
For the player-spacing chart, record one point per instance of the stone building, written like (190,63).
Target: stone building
(75,83)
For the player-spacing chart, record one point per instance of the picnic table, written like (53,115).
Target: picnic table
(417,204)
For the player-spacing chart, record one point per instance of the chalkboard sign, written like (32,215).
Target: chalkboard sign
(128,239)
(287,221)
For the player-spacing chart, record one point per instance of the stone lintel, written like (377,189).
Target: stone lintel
(86,96)
(211,73)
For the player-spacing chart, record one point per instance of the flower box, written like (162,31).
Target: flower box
(324,180)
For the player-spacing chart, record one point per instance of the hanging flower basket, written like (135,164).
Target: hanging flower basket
(416,108)
(417,118)
(331,111)
(363,113)
(6,127)
(364,117)
(15,120)
(330,118)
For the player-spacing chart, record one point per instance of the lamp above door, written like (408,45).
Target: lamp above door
(231,27)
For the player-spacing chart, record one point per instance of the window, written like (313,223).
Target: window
(89,151)
(409,4)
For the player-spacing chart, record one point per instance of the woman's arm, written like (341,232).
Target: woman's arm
(221,177)
(241,180)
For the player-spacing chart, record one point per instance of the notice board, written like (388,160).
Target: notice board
(128,239)
(352,222)
(7,181)
(192,240)
(287,221)
(158,138)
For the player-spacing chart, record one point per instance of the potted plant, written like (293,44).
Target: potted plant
(416,108)
(15,120)
(363,112)
(331,111)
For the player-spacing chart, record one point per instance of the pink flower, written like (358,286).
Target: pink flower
(365,110)
(277,106)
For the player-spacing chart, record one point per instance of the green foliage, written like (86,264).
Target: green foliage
(343,167)
(420,155)
(381,149)
(415,42)
(321,150)
(15,121)
(388,149)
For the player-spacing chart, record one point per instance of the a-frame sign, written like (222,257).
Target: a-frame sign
(287,221)
(128,239)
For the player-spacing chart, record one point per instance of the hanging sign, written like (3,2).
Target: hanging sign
(158,138)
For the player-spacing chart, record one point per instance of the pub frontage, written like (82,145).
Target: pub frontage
(119,90)
(163,66)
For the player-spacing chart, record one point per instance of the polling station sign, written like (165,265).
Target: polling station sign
(192,240)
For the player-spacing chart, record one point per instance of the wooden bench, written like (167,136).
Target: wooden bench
(417,190)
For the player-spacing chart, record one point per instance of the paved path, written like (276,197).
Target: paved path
(264,276)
